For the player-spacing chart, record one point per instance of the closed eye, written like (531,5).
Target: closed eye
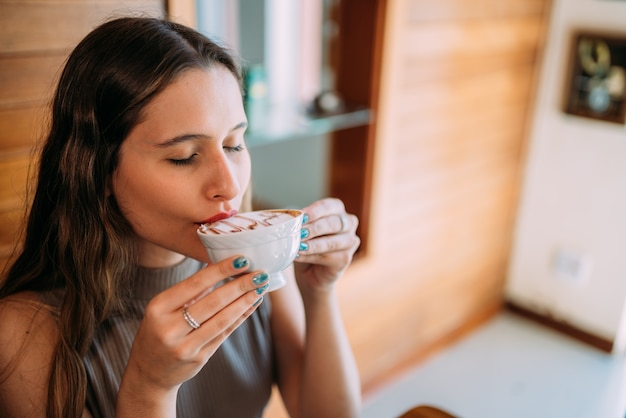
(236,148)
(184,161)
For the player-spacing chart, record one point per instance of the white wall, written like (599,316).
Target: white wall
(574,194)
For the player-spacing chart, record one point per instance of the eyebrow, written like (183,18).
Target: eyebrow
(189,137)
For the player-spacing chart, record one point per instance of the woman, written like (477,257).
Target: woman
(147,142)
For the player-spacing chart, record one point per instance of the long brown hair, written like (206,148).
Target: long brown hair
(76,238)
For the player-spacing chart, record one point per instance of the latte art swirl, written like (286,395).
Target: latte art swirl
(247,221)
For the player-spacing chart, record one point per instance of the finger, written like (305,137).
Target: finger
(201,282)
(328,244)
(250,286)
(219,339)
(324,207)
(337,259)
(219,326)
(337,223)
(199,345)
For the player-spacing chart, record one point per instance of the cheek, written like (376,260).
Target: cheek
(130,190)
(119,186)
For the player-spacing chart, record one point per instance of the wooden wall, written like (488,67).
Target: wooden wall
(456,84)
(35,38)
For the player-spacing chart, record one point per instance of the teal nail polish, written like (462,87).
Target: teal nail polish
(260,278)
(305,218)
(240,262)
(259,300)
(304,246)
(262,289)
(304,233)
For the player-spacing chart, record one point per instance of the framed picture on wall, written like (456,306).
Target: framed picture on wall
(597,79)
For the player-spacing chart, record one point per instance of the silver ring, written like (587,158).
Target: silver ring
(189,319)
(344,225)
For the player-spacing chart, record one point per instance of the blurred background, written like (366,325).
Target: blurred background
(443,125)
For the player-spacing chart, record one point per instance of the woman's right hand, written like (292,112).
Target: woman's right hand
(167,350)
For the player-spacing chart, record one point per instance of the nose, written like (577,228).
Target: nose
(222,180)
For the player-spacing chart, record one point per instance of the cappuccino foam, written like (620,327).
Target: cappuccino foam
(247,221)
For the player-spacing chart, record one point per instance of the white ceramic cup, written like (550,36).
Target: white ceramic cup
(268,238)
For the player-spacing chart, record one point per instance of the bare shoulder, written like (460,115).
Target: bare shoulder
(28,336)
(26,320)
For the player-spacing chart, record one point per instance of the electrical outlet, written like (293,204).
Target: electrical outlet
(572,266)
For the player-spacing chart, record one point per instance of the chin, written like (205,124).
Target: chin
(197,253)
(203,258)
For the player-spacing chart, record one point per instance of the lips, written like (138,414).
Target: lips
(219,216)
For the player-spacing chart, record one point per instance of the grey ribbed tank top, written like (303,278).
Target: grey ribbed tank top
(236,382)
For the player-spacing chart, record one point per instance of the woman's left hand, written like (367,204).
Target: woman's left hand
(329,242)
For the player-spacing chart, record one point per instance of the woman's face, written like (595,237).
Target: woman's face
(183,164)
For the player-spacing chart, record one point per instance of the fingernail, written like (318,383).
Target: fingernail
(305,218)
(304,233)
(262,289)
(240,262)
(259,300)
(304,246)
(260,278)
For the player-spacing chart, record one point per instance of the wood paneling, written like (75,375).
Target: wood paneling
(10,224)
(28,79)
(456,84)
(35,38)
(13,175)
(21,128)
(419,11)
(49,25)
